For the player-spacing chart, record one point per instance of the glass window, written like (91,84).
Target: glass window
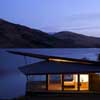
(54,78)
(37,78)
(54,82)
(84,82)
(68,77)
(36,82)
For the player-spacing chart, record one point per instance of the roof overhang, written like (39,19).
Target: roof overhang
(50,67)
(47,57)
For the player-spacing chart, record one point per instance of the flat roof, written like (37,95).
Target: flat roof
(52,67)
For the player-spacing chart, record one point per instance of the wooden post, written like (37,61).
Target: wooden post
(47,82)
(62,82)
(78,83)
(89,81)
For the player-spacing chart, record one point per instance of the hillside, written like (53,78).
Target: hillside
(78,40)
(18,36)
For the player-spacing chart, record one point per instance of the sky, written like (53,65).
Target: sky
(81,16)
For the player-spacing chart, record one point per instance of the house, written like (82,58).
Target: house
(60,74)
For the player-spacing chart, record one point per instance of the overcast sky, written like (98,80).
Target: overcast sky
(82,16)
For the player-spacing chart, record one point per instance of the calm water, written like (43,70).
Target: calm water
(12,81)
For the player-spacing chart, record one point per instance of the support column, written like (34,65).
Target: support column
(78,82)
(62,82)
(47,82)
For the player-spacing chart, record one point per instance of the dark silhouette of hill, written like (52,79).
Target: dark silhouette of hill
(19,36)
(78,40)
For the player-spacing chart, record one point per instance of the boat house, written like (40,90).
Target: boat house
(60,74)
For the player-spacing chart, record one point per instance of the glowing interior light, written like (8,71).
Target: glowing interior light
(59,60)
(84,78)
(62,60)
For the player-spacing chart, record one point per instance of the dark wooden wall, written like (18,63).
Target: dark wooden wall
(94,82)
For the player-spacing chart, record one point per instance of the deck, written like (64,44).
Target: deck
(64,96)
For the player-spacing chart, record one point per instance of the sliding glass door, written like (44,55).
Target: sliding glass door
(84,82)
(70,82)
(54,82)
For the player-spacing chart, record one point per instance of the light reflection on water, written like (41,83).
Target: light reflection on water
(12,83)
